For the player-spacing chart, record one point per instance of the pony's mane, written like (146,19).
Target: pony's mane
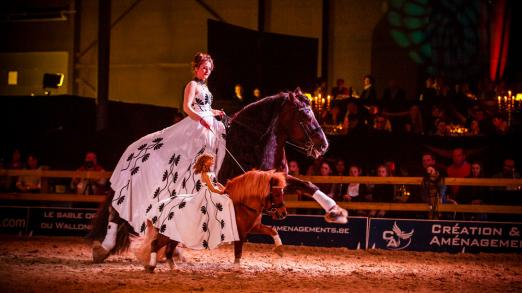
(253,183)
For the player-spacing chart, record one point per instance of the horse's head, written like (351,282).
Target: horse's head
(275,204)
(301,127)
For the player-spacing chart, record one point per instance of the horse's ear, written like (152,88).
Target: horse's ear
(298,92)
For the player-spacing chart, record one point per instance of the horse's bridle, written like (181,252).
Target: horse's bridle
(309,145)
(273,203)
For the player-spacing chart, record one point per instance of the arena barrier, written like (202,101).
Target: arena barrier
(308,230)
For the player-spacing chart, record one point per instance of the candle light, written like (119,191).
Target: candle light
(328,99)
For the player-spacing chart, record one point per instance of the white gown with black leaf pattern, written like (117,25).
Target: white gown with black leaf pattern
(160,165)
(201,220)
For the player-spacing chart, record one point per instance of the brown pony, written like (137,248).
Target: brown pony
(252,193)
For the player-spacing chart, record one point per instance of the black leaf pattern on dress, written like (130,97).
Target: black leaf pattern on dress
(165,175)
(171,215)
(135,170)
(222,222)
(171,160)
(219,206)
(156,193)
(173,193)
(205,244)
(199,101)
(176,161)
(182,205)
(141,147)
(130,157)
(175,177)
(204,227)
(158,146)
(206,99)
(148,208)
(214,179)
(154,219)
(145,158)
(158,139)
(161,207)
(184,183)
(202,150)
(198,185)
(222,237)
(163,228)
(120,200)
(203,210)
(142,228)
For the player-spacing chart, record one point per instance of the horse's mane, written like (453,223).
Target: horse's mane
(253,183)
(262,110)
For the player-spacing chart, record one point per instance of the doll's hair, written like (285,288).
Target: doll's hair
(201,161)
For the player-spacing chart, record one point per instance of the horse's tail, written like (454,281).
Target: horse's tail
(141,245)
(100,222)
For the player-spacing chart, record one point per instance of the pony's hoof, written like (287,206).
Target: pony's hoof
(336,215)
(99,254)
(149,269)
(279,250)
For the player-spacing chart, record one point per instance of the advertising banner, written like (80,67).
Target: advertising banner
(314,231)
(60,221)
(445,236)
(13,220)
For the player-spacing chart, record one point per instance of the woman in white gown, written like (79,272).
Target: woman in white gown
(160,165)
(200,220)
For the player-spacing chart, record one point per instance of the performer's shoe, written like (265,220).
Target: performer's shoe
(336,215)
(99,254)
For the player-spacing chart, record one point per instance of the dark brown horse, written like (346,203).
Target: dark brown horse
(252,193)
(256,137)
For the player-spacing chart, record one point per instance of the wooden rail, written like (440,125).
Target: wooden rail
(291,203)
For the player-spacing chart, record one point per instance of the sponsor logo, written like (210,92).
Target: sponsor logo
(396,238)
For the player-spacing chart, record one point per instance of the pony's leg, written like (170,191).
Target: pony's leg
(100,251)
(267,230)
(170,251)
(156,244)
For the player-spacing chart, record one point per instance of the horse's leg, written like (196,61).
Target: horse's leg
(259,228)
(169,252)
(101,250)
(238,252)
(156,244)
(334,213)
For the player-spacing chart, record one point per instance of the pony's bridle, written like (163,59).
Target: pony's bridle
(274,200)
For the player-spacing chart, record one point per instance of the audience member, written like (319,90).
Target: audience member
(293,168)
(339,189)
(357,192)
(508,171)
(339,89)
(30,183)
(89,186)
(433,190)
(382,192)
(459,168)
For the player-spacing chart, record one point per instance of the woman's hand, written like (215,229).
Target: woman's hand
(218,113)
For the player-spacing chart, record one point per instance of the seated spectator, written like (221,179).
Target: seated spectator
(89,186)
(339,189)
(325,170)
(508,171)
(433,190)
(474,194)
(8,183)
(382,192)
(339,89)
(459,168)
(501,126)
(315,168)
(293,168)
(30,183)
(357,192)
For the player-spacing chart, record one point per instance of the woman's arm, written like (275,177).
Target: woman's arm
(209,184)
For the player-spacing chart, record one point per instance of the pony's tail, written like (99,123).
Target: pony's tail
(100,222)
(141,245)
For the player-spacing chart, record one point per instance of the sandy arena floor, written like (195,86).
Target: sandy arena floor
(62,264)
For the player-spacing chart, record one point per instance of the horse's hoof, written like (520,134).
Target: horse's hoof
(336,215)
(172,264)
(99,254)
(279,250)
(149,269)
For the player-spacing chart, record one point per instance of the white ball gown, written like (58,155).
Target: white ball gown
(159,165)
